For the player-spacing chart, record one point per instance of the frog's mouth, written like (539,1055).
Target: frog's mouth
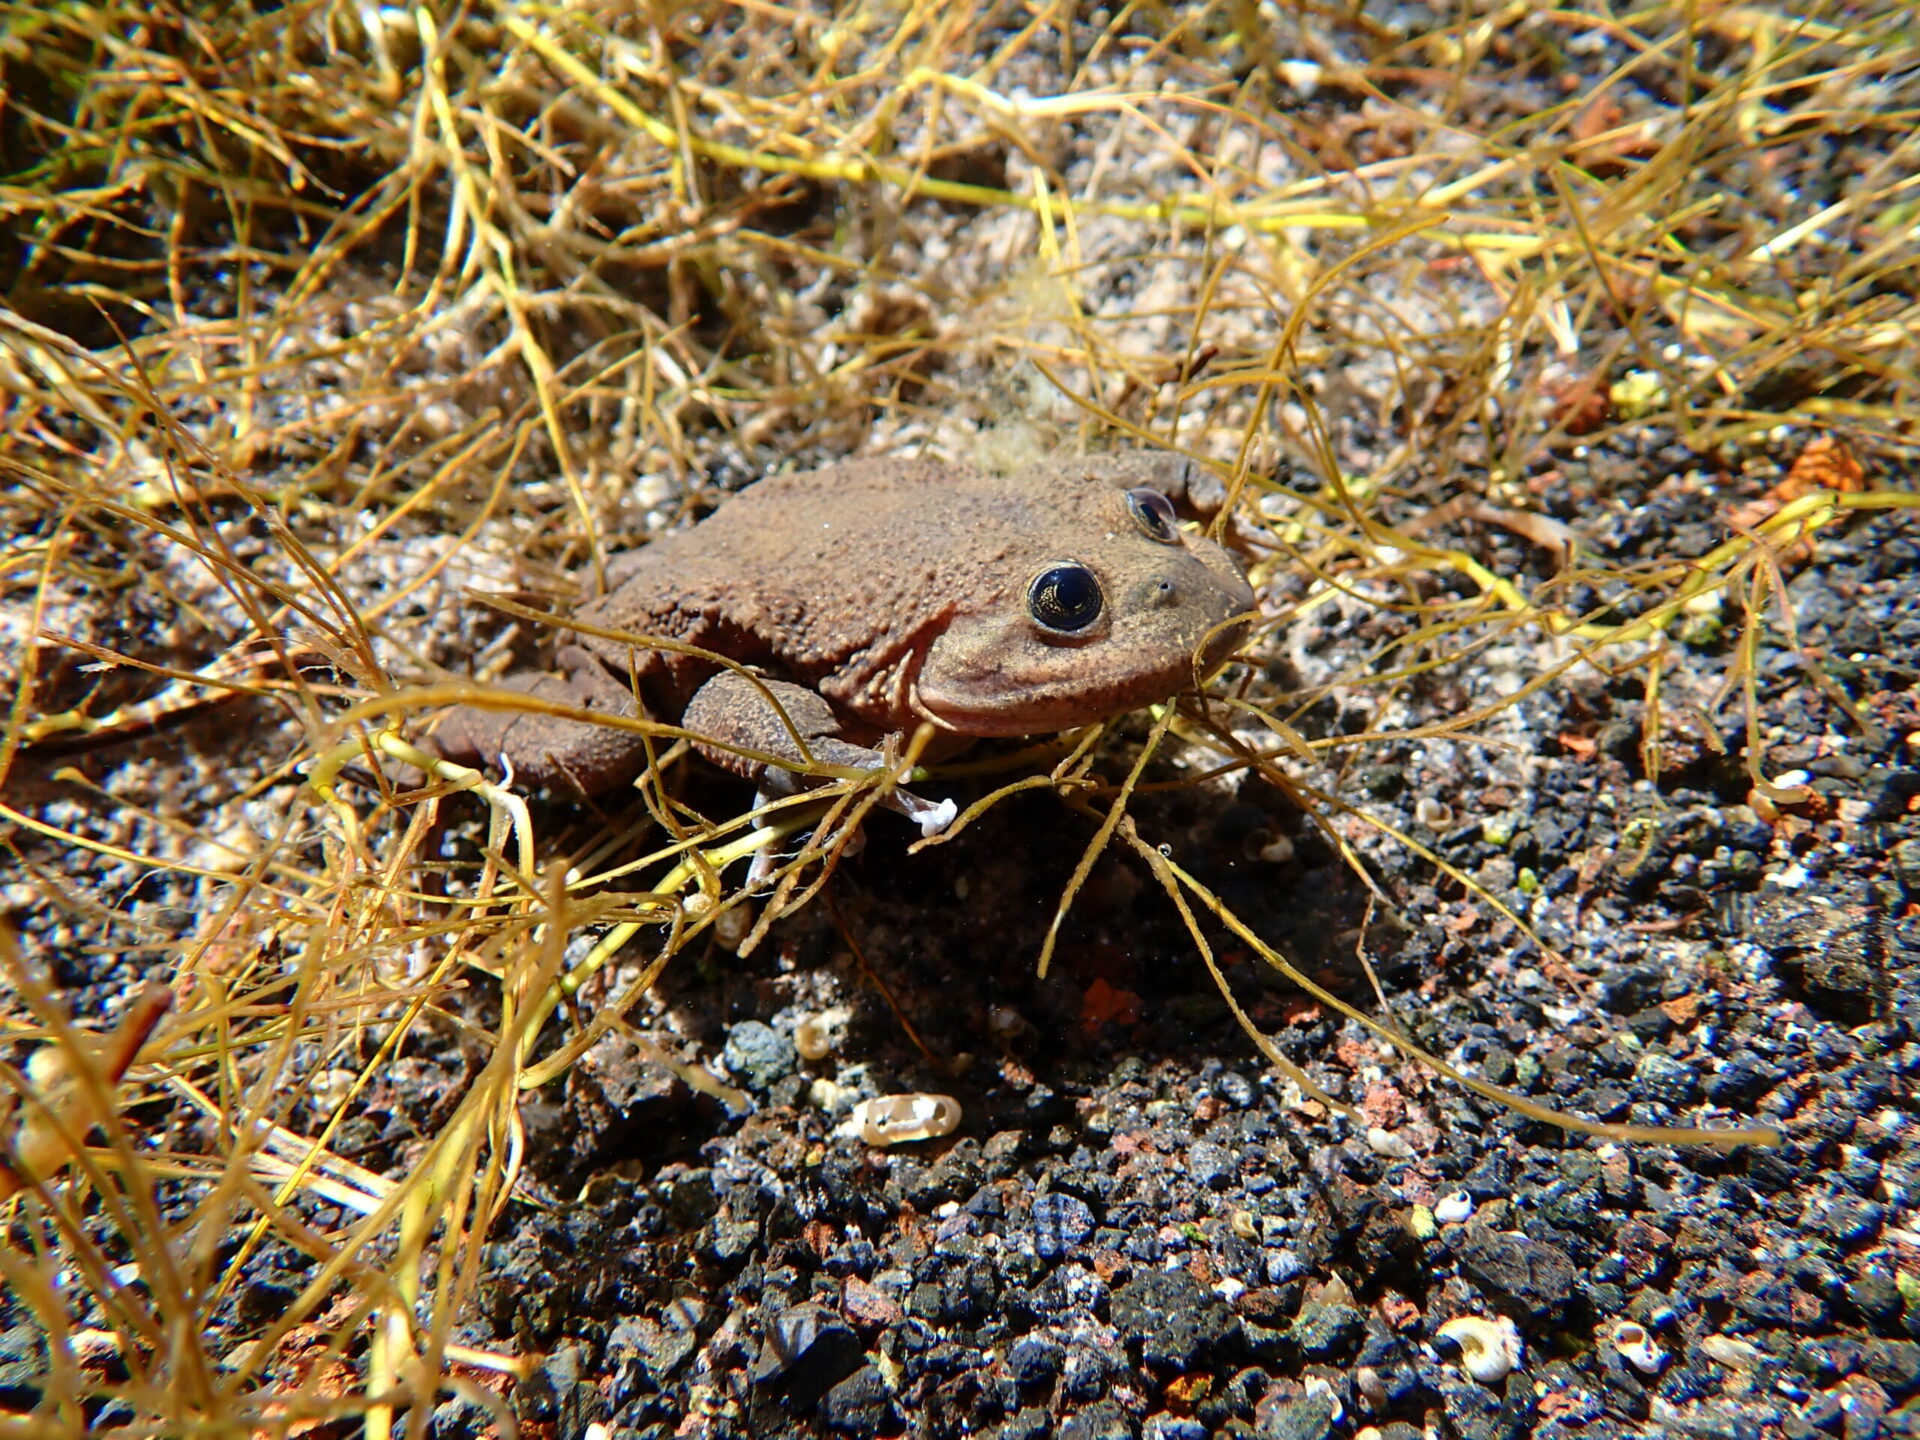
(1003,687)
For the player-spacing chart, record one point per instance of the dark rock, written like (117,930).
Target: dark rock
(1477,1413)
(1234,1088)
(926,1301)
(1765,1299)
(1627,989)
(1473,1412)
(806,1351)
(1876,1294)
(1324,1331)
(689,1198)
(658,1349)
(1213,1166)
(1491,1179)
(1059,1223)
(1522,1276)
(265,1299)
(1846,1220)
(619,1095)
(1031,1423)
(1034,1360)
(1661,1078)
(1283,1265)
(1102,1421)
(458,1417)
(732,1238)
(1824,1412)
(1739,1080)
(1084,1375)
(955,1176)
(1895,1366)
(559,1395)
(860,1405)
(23,1366)
(1172,1317)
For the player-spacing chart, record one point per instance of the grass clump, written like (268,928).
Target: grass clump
(319,315)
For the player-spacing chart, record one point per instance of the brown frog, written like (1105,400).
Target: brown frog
(876,594)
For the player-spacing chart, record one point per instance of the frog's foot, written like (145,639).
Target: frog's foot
(550,751)
(733,710)
(930,816)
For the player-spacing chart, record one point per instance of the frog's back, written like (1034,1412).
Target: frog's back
(806,572)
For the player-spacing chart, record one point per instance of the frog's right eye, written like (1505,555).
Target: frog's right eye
(1065,598)
(1153,513)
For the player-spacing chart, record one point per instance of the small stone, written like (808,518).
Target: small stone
(1740,1080)
(807,1350)
(1234,1088)
(867,1304)
(758,1054)
(1895,1365)
(1284,1265)
(860,1405)
(1172,1317)
(1526,1274)
(1661,1078)
(1324,1330)
(661,1349)
(1033,1422)
(1308,1418)
(1059,1223)
(1212,1166)
(1103,1421)
(1033,1360)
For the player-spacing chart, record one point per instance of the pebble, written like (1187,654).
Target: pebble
(1310,1417)
(1172,1317)
(807,1350)
(758,1055)
(1327,1330)
(861,1405)
(1059,1223)
(1213,1166)
(1524,1274)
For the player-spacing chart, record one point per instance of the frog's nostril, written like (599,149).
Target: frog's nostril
(1163,591)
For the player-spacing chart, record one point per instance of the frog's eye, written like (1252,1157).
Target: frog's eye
(1153,513)
(1065,598)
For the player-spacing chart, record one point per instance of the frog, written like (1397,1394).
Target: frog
(868,597)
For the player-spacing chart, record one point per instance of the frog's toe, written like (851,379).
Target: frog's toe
(932,818)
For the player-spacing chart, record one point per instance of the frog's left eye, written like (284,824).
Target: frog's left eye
(1066,598)
(1153,513)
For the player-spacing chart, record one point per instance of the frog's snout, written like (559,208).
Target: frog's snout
(1220,644)
(1197,587)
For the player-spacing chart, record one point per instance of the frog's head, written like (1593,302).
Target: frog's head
(1095,602)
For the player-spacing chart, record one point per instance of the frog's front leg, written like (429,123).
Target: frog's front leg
(550,750)
(731,709)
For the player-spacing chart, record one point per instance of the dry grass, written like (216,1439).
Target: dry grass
(310,325)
